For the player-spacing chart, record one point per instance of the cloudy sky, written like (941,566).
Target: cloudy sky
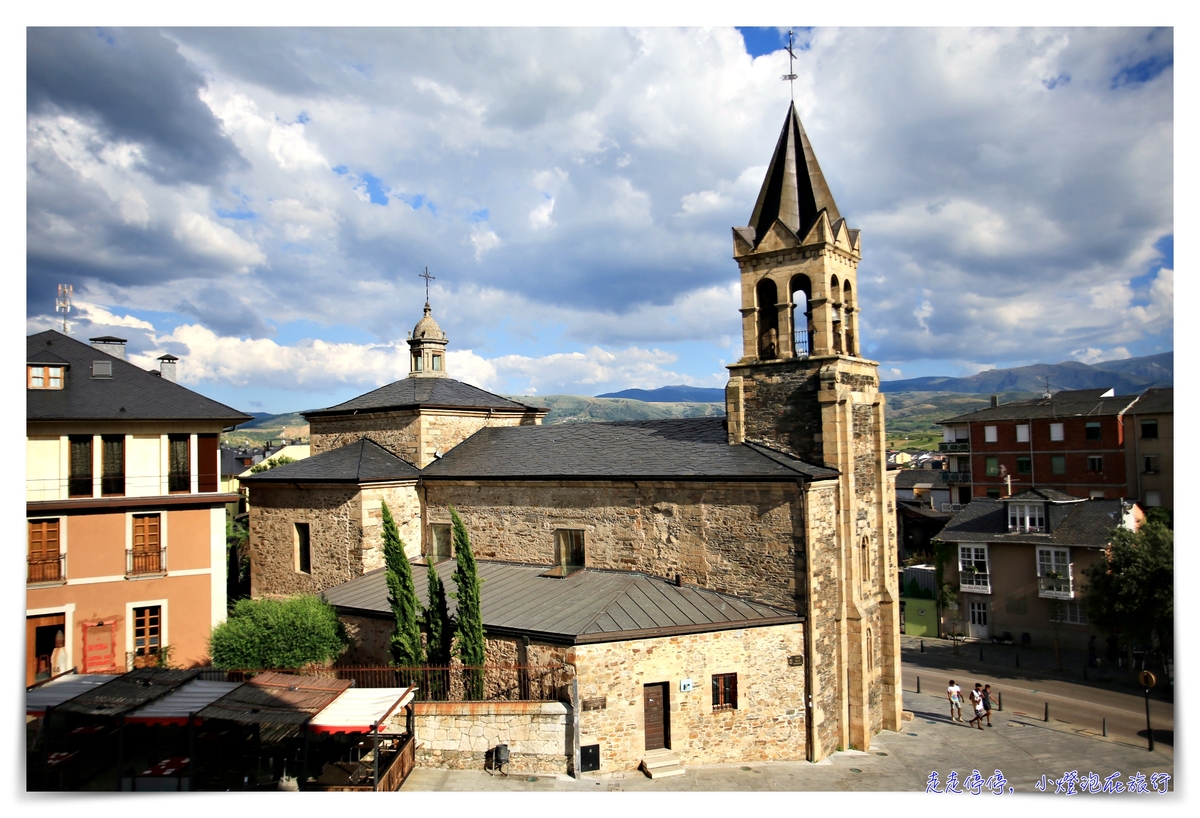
(259,202)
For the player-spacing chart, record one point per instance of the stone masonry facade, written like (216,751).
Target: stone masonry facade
(768,723)
(737,538)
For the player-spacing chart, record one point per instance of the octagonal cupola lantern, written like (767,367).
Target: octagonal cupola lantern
(427,346)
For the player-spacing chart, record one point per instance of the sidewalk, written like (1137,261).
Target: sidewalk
(1023,749)
(1028,661)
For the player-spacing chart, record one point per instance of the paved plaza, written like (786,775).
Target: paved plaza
(1023,749)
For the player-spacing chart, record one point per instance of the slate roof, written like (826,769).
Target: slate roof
(1160,401)
(363,461)
(986,520)
(1078,403)
(681,448)
(908,478)
(128,692)
(589,606)
(132,393)
(410,393)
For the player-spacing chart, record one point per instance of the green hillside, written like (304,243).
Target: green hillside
(577,409)
(911,418)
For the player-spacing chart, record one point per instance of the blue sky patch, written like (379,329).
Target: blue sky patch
(761,41)
(1143,71)
(239,214)
(374,188)
(341,170)
(302,118)
(1054,82)
(478,216)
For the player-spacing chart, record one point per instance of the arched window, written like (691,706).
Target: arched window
(766,297)
(851,319)
(866,559)
(802,328)
(870,651)
(835,313)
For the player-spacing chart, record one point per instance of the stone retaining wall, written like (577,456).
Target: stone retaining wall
(458,735)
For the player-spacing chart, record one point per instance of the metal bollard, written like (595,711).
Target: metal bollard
(999,701)
(918,684)
(922,646)
(1104,727)
(1046,715)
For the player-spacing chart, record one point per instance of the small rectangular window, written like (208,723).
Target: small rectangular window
(101,369)
(1091,431)
(179,478)
(146,556)
(80,482)
(439,543)
(44,377)
(568,550)
(303,549)
(992,466)
(416,362)
(1023,433)
(112,464)
(44,558)
(1150,462)
(724,691)
(989,434)
(1149,430)
(1095,463)
(1058,464)
(1056,431)
(1024,465)
(437,363)
(147,630)
(1072,613)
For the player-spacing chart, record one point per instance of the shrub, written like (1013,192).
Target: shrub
(263,634)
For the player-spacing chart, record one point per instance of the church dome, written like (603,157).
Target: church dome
(428,328)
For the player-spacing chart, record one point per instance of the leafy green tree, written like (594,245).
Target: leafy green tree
(1132,590)
(281,460)
(438,647)
(264,634)
(402,596)
(468,630)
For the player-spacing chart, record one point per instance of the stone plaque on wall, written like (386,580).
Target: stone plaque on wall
(796,661)
(598,703)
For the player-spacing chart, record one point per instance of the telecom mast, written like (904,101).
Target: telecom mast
(64,303)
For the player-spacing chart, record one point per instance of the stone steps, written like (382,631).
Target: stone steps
(661,764)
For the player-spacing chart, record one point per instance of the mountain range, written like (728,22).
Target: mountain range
(1126,377)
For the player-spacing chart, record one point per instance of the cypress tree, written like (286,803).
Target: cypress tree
(468,629)
(440,635)
(402,596)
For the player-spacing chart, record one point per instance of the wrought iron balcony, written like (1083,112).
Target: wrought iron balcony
(46,569)
(955,476)
(962,446)
(139,563)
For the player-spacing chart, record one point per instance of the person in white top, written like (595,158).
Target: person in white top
(954,694)
(977,706)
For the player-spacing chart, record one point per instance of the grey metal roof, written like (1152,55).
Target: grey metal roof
(132,393)
(276,699)
(1078,403)
(986,520)
(425,392)
(1160,401)
(589,606)
(682,448)
(363,461)
(128,692)
(66,687)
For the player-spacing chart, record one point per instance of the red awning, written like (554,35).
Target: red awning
(360,709)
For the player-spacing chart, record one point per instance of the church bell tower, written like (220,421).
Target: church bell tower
(803,387)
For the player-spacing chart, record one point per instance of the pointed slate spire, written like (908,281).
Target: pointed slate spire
(794,191)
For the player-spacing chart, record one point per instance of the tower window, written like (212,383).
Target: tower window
(417,363)
(303,549)
(437,362)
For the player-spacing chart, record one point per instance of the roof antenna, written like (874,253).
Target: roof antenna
(790,76)
(1046,394)
(425,275)
(63,304)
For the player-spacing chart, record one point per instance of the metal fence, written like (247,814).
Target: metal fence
(456,683)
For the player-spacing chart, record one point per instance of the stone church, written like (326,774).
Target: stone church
(785,504)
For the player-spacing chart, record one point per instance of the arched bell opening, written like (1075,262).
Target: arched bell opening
(850,319)
(835,314)
(800,299)
(766,296)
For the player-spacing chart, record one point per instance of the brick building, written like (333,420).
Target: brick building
(1074,442)
(787,502)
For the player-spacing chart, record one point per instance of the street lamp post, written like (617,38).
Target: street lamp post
(1147,679)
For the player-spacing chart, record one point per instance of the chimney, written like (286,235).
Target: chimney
(995,401)
(110,345)
(167,367)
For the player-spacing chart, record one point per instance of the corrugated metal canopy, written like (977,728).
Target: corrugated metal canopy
(276,699)
(128,692)
(358,710)
(62,689)
(175,707)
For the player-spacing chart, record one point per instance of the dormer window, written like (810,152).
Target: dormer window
(417,363)
(44,377)
(437,362)
(1026,517)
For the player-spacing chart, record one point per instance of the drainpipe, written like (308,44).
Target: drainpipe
(575,729)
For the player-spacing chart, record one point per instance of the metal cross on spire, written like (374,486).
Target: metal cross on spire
(425,275)
(790,76)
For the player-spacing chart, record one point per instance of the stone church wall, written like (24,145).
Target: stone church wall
(398,432)
(780,408)
(825,570)
(767,725)
(345,533)
(739,539)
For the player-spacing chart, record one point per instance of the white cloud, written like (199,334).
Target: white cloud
(483,239)
(539,217)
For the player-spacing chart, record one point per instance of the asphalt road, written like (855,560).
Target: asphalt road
(1074,707)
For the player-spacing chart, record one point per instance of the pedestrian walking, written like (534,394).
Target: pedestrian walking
(987,703)
(977,706)
(954,694)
